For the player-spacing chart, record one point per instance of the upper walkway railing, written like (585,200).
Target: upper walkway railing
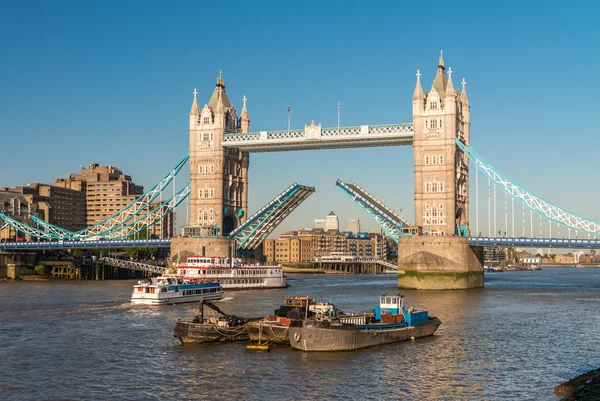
(315,137)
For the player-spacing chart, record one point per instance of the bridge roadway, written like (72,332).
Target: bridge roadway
(47,245)
(166,243)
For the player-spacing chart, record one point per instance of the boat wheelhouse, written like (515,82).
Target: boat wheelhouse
(232,274)
(174,290)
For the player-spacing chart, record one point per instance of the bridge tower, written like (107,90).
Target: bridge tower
(218,178)
(441,258)
(441,170)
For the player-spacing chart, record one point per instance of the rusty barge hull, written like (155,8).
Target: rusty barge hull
(268,333)
(312,337)
(190,332)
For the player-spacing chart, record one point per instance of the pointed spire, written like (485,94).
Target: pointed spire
(418,94)
(195,111)
(441,62)
(439,82)
(219,95)
(449,86)
(220,81)
(463,95)
(244,108)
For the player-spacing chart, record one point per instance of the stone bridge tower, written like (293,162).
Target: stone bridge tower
(441,258)
(441,169)
(218,176)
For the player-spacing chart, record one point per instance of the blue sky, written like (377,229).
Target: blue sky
(111,82)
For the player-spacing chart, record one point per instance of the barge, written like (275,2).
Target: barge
(274,329)
(223,328)
(390,322)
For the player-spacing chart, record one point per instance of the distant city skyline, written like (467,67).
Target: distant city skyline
(78,94)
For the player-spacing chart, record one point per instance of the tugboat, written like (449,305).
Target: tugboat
(390,322)
(274,329)
(211,329)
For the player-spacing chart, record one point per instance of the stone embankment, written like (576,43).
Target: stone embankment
(585,387)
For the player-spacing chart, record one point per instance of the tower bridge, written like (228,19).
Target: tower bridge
(436,251)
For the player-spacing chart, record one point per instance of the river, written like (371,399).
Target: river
(515,339)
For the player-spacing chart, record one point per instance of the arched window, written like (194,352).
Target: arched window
(199,216)
(441,187)
(200,169)
(426,123)
(205,215)
(206,193)
(434,160)
(442,159)
(426,159)
(440,123)
(212,168)
(206,120)
(200,193)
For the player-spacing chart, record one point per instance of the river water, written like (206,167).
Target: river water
(515,339)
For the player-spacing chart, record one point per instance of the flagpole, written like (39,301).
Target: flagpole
(288,110)
(338,117)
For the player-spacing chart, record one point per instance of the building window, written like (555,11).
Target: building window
(426,160)
(442,159)
(212,168)
(206,120)
(200,194)
(199,169)
(440,123)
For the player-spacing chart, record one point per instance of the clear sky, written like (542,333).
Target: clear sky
(111,82)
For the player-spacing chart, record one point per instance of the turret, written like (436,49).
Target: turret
(245,118)
(449,95)
(194,112)
(418,96)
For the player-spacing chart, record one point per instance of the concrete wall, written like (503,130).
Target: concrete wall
(437,263)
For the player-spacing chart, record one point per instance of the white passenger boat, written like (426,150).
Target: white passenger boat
(174,290)
(232,274)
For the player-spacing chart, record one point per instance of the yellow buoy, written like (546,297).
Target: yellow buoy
(264,348)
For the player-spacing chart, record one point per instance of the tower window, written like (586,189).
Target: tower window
(440,123)
(206,120)
(442,159)
(426,159)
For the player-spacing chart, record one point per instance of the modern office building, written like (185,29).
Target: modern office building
(319,223)
(353,226)
(332,222)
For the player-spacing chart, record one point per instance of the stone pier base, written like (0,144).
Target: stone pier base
(183,247)
(439,263)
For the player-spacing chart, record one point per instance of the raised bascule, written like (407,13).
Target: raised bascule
(435,251)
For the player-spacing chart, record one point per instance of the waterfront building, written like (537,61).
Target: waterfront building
(304,246)
(353,225)
(332,222)
(107,190)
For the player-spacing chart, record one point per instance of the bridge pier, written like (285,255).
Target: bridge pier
(184,247)
(439,263)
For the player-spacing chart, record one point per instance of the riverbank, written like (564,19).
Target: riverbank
(585,387)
